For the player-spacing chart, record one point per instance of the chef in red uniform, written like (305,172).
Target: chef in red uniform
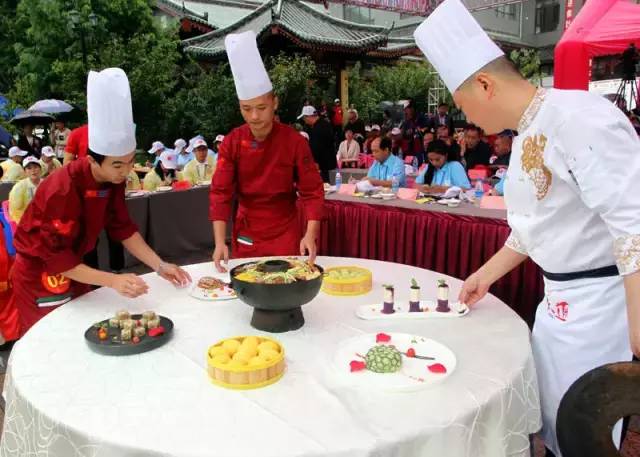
(268,166)
(74,205)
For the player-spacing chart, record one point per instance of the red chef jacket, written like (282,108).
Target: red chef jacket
(59,227)
(266,176)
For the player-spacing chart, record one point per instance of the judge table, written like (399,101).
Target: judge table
(63,400)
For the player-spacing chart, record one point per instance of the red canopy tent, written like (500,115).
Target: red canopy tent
(603,27)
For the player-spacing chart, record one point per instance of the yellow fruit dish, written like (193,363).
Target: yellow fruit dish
(245,362)
(347,281)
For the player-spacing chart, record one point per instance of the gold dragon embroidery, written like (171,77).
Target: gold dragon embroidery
(533,164)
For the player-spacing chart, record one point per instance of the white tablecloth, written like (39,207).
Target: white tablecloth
(65,401)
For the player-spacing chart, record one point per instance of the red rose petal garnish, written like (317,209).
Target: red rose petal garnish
(356,365)
(382,338)
(411,352)
(437,368)
(156,331)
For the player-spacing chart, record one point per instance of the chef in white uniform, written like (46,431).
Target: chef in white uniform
(572,201)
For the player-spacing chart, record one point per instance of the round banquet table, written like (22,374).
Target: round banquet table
(63,400)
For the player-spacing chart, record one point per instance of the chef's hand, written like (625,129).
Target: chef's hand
(129,285)
(220,253)
(474,289)
(308,244)
(174,274)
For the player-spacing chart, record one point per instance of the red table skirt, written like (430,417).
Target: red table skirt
(446,243)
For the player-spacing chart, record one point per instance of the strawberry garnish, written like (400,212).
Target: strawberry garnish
(382,338)
(411,352)
(356,365)
(437,368)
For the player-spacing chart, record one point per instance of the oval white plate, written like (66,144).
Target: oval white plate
(414,373)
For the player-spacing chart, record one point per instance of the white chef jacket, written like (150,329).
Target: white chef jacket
(573,193)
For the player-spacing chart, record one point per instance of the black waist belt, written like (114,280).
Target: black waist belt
(603,272)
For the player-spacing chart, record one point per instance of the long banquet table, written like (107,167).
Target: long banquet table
(63,400)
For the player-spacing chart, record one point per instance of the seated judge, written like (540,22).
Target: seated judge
(23,191)
(441,173)
(502,150)
(202,167)
(386,165)
(164,173)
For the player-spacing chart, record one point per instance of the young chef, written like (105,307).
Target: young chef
(75,204)
(267,165)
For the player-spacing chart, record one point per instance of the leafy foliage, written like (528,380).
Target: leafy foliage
(528,62)
(292,78)
(389,83)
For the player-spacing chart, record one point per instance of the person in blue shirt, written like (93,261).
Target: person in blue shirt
(441,174)
(386,164)
(184,156)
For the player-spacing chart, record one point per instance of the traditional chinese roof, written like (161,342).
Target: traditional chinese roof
(307,28)
(181,11)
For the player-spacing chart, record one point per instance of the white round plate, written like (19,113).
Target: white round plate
(213,295)
(414,373)
(374,312)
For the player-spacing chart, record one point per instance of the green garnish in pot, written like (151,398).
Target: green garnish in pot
(414,284)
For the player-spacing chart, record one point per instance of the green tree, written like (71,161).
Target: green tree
(293,82)
(404,80)
(8,56)
(206,105)
(125,35)
(528,62)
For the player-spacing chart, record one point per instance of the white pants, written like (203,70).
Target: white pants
(580,325)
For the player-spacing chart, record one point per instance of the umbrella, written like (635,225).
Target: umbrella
(5,137)
(32,117)
(51,106)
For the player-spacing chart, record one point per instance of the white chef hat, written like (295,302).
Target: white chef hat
(111,128)
(169,160)
(219,139)
(454,43)
(248,70)
(30,159)
(156,146)
(47,151)
(16,151)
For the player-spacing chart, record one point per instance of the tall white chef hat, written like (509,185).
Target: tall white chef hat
(248,70)
(454,43)
(112,132)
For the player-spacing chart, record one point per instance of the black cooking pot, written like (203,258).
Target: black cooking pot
(275,297)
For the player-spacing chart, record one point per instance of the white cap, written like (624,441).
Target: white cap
(16,151)
(47,151)
(219,139)
(337,100)
(454,43)
(375,127)
(305,134)
(248,70)
(396,131)
(156,146)
(367,128)
(307,111)
(111,128)
(169,160)
(30,159)
(191,141)
(199,143)
(179,144)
